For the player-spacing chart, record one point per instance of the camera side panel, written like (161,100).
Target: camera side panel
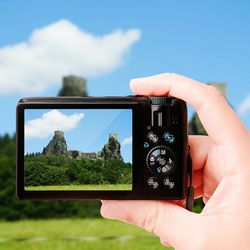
(165,150)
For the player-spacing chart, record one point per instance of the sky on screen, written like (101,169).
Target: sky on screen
(84,129)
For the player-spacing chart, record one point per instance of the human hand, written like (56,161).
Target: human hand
(221,175)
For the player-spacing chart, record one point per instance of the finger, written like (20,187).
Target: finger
(197,178)
(167,220)
(199,149)
(216,115)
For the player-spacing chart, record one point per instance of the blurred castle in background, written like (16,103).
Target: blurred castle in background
(77,86)
(74,86)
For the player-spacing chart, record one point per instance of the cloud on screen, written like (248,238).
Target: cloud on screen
(127,141)
(45,126)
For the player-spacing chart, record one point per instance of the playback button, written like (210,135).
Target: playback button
(168,137)
(153,183)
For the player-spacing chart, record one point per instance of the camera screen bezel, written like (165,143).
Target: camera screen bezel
(81,194)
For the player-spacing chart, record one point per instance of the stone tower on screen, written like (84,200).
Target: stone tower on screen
(195,127)
(74,86)
(57,145)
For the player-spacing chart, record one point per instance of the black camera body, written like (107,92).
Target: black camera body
(159,150)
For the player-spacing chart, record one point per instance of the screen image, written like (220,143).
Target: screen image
(78,149)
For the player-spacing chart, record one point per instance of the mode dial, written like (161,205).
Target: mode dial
(161,160)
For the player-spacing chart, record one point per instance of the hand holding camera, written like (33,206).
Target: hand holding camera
(154,176)
(221,175)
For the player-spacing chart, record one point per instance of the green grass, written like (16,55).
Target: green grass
(82,187)
(69,234)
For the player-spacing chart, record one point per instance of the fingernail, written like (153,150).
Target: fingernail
(112,211)
(131,82)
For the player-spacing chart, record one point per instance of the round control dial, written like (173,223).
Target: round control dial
(161,160)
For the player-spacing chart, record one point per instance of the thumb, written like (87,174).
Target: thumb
(172,223)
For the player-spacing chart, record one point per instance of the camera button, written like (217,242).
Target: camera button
(152,137)
(153,183)
(167,183)
(168,137)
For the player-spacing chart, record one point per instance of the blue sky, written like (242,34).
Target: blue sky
(205,40)
(88,132)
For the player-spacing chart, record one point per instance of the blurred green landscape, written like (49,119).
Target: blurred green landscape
(36,225)
(75,234)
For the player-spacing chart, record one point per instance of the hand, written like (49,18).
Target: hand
(221,163)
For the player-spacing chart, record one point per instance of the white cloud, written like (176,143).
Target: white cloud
(49,122)
(60,49)
(244,106)
(127,141)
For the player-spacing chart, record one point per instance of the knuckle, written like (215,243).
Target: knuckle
(171,76)
(213,91)
(210,94)
(150,220)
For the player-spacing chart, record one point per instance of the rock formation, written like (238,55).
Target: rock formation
(112,150)
(57,146)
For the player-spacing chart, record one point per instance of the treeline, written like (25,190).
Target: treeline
(53,170)
(13,209)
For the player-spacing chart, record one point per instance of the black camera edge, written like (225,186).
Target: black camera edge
(160,157)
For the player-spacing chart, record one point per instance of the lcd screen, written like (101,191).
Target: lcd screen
(78,149)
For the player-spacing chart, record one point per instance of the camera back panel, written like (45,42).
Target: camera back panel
(159,150)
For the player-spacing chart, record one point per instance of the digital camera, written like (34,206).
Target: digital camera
(133,147)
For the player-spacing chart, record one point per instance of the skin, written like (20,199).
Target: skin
(221,163)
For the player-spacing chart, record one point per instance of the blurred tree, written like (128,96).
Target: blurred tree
(73,86)
(196,128)
(13,209)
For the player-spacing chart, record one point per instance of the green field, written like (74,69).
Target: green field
(82,187)
(69,234)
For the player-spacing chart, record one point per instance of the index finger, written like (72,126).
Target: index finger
(216,115)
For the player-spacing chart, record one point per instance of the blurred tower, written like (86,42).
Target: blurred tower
(73,86)
(195,127)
